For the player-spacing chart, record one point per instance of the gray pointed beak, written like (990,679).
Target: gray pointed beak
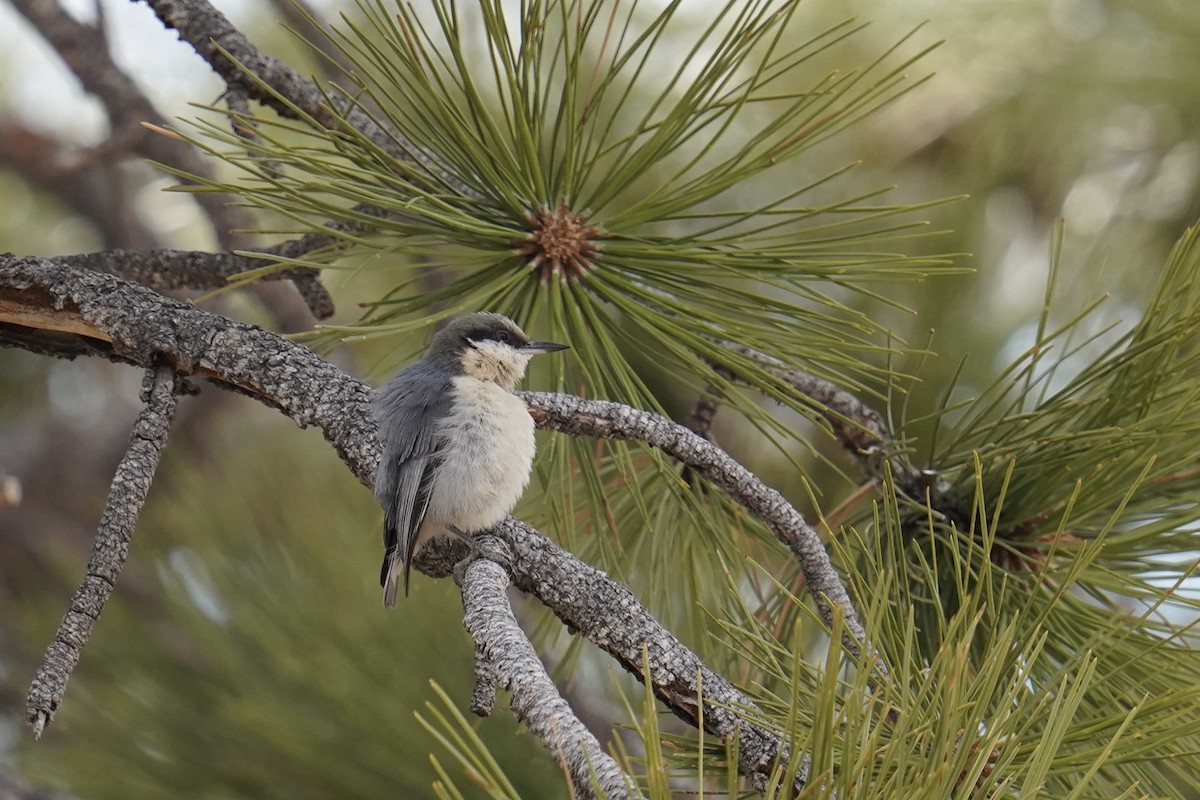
(543,347)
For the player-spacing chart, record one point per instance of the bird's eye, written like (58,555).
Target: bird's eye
(502,336)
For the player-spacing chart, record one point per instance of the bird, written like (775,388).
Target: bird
(457,443)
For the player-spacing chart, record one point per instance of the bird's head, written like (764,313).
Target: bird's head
(486,346)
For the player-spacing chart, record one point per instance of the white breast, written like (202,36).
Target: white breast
(489,454)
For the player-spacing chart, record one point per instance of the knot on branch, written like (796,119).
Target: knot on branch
(560,243)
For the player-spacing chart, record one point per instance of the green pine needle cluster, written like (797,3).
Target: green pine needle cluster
(997,707)
(1092,485)
(625,178)
(595,170)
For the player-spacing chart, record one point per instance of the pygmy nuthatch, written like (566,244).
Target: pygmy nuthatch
(457,443)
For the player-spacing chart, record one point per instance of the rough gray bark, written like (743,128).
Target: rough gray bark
(504,657)
(61,310)
(164,269)
(100,314)
(130,485)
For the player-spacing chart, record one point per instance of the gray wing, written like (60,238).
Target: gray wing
(407,410)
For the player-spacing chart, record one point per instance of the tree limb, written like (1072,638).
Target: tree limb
(184,335)
(610,617)
(97,314)
(130,485)
(504,657)
(62,310)
(608,420)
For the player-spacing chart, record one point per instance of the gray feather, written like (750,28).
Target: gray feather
(408,409)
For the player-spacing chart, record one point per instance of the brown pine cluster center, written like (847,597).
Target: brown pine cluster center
(559,244)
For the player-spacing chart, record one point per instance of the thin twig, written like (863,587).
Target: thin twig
(505,658)
(278,86)
(130,485)
(860,428)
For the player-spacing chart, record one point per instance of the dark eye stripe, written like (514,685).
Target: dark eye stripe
(491,334)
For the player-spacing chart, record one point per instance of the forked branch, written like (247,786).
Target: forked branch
(60,310)
(610,617)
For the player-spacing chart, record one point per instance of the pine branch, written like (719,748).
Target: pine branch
(58,309)
(130,485)
(610,617)
(505,657)
(166,269)
(607,420)
(271,82)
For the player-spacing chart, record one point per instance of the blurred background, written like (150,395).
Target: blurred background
(245,652)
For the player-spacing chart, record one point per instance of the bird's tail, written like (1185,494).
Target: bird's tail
(389,576)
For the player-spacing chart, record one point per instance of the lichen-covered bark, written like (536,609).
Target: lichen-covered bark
(130,485)
(607,420)
(62,310)
(609,616)
(505,657)
(103,314)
